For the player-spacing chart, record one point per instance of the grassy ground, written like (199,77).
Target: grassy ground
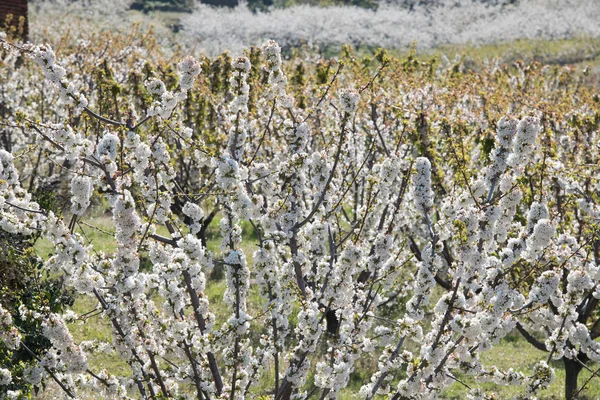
(514,352)
(99,232)
(580,51)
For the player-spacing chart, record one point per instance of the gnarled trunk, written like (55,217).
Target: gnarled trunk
(572,369)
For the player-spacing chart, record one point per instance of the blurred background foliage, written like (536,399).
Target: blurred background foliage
(255,5)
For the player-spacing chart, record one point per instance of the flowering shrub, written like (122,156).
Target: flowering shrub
(25,289)
(466,204)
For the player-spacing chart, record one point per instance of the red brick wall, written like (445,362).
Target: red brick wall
(15,7)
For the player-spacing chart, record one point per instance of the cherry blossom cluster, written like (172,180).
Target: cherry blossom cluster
(44,57)
(166,101)
(277,78)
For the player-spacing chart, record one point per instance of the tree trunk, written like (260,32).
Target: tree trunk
(572,369)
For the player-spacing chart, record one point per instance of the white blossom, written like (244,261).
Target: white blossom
(349,101)
(423,194)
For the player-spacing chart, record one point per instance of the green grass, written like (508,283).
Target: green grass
(566,51)
(583,52)
(98,329)
(514,352)
(98,231)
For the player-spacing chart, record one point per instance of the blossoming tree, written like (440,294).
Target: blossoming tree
(382,229)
